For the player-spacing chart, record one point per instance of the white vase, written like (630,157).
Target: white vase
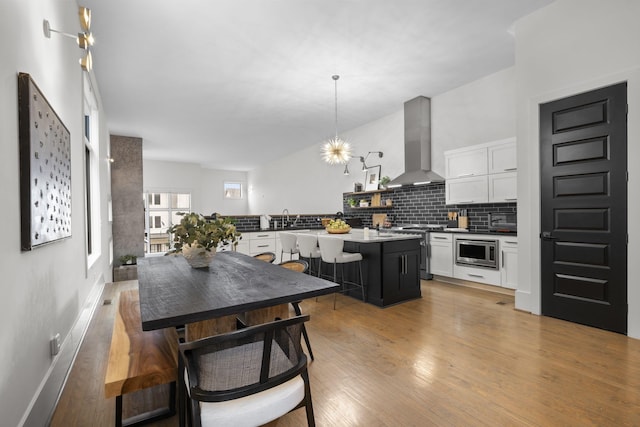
(198,257)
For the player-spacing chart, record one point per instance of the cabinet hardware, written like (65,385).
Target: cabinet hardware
(263,246)
(510,169)
(476,275)
(510,200)
(511,243)
(439,238)
(465,175)
(502,256)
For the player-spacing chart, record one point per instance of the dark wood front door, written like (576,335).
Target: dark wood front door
(583,155)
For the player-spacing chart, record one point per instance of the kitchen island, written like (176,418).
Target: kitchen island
(390,266)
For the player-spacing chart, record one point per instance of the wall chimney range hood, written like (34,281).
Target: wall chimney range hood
(417,145)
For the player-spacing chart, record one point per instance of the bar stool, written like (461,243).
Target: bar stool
(308,248)
(331,252)
(289,244)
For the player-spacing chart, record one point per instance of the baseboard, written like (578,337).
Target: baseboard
(40,410)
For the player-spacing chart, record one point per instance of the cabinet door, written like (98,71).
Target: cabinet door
(400,276)
(509,263)
(503,187)
(441,257)
(461,164)
(467,190)
(502,157)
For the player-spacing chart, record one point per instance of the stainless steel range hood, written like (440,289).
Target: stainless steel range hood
(417,145)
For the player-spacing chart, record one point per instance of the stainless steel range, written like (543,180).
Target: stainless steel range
(423,231)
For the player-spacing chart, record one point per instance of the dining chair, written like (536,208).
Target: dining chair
(266,256)
(289,243)
(332,252)
(247,377)
(308,248)
(301,266)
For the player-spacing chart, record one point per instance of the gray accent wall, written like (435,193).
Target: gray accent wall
(126,196)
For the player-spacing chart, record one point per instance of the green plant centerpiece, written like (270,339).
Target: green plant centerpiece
(384,181)
(197,237)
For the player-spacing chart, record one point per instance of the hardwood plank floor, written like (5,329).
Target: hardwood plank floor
(455,357)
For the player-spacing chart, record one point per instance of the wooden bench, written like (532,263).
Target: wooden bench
(140,359)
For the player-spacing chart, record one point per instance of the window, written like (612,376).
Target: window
(161,213)
(91,172)
(233,190)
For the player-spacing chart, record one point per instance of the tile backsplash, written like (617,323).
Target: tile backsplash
(424,204)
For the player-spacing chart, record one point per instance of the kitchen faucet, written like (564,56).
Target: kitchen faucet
(285,219)
(295,221)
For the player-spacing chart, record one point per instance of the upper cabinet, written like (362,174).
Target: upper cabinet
(482,173)
(502,156)
(464,163)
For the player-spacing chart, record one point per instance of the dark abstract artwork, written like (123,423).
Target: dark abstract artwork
(45,169)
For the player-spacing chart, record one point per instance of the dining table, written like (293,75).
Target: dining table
(208,301)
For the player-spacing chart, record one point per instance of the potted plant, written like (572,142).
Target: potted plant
(364,203)
(384,181)
(197,237)
(128,259)
(351,202)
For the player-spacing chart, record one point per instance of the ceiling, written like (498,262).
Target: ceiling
(231,84)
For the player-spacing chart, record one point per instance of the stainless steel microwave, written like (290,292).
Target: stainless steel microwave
(477,253)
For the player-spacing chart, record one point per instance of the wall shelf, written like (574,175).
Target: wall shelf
(361,193)
(371,207)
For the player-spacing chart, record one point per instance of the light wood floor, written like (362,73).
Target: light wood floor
(456,357)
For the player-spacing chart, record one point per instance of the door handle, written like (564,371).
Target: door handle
(546,235)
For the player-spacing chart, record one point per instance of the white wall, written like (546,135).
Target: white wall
(303,183)
(44,291)
(573,46)
(478,112)
(205,185)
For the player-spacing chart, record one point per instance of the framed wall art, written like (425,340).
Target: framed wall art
(45,168)
(373,177)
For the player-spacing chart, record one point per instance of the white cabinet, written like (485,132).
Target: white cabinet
(502,156)
(256,242)
(509,262)
(482,173)
(465,162)
(503,187)
(477,274)
(441,254)
(470,190)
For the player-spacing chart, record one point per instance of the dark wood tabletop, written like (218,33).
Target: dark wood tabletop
(172,293)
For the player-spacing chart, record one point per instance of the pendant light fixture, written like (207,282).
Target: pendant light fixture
(336,151)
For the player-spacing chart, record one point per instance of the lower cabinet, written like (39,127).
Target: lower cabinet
(442,260)
(477,274)
(254,243)
(509,262)
(400,272)
(441,254)
(391,270)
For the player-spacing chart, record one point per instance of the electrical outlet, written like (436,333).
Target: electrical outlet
(55,344)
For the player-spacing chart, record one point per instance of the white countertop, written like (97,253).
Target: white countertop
(357,235)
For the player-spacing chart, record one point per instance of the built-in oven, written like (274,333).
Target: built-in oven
(477,253)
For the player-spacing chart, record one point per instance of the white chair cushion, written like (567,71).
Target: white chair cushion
(256,409)
(344,257)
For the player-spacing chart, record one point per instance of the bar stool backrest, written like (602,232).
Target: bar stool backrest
(308,245)
(288,241)
(330,248)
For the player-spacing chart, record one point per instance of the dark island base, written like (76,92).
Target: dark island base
(391,271)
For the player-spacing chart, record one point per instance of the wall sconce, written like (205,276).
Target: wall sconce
(84,39)
(364,159)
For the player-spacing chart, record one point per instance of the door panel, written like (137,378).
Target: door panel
(583,155)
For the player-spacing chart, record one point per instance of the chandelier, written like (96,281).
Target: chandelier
(336,151)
